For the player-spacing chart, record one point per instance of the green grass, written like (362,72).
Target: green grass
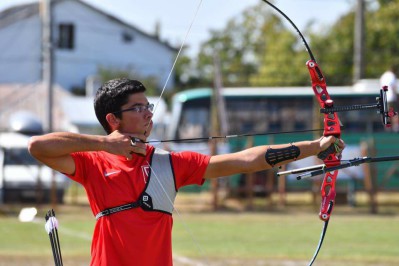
(352,239)
(31,240)
(362,238)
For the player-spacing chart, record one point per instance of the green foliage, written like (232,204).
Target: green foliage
(259,48)
(281,62)
(382,40)
(237,48)
(335,48)
(334,51)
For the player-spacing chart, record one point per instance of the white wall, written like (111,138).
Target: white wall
(20,52)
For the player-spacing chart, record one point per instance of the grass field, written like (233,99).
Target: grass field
(276,236)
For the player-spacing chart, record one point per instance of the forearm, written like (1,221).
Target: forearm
(268,156)
(254,159)
(64,143)
(277,155)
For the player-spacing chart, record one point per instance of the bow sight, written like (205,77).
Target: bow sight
(381,105)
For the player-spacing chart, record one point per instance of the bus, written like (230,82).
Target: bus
(259,110)
(272,110)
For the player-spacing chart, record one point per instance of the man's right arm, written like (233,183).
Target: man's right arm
(54,149)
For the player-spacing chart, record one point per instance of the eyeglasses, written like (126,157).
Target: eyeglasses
(138,108)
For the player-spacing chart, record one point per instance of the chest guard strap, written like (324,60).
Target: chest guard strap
(160,191)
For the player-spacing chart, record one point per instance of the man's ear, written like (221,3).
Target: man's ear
(113,121)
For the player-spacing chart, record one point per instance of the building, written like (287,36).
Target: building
(84,39)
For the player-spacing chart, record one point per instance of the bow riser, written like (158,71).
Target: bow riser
(331,121)
(331,128)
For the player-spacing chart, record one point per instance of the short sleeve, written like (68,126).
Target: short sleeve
(82,161)
(189,168)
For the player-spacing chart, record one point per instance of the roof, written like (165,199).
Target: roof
(24,11)
(361,88)
(30,98)
(17,13)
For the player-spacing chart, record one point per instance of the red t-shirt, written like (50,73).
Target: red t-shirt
(135,236)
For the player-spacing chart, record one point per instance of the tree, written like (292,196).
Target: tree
(258,48)
(335,47)
(282,56)
(255,48)
(334,50)
(237,46)
(382,43)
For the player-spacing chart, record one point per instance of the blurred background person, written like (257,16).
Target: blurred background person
(389,79)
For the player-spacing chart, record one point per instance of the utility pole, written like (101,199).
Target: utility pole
(219,126)
(47,75)
(47,57)
(359,42)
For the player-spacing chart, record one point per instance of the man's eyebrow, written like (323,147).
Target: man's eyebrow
(138,104)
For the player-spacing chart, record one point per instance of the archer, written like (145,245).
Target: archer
(131,185)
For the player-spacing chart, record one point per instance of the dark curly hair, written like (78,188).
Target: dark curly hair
(112,95)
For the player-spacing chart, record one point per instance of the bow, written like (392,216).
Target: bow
(332,127)
(331,157)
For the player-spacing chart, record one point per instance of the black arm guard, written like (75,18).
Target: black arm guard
(275,156)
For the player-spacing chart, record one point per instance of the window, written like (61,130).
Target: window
(127,37)
(66,37)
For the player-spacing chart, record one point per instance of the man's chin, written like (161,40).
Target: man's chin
(148,130)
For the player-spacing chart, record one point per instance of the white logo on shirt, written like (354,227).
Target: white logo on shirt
(145,169)
(111,173)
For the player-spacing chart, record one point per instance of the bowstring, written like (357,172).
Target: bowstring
(186,227)
(177,56)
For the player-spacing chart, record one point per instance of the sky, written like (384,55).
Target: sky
(175,16)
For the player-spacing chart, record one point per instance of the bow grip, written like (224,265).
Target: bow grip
(324,154)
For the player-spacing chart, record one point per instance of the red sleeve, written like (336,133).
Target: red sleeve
(81,159)
(189,167)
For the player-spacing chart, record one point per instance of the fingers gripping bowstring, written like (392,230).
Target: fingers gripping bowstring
(186,228)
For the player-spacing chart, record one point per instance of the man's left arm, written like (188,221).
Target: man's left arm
(265,157)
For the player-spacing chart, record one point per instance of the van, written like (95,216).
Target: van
(23,178)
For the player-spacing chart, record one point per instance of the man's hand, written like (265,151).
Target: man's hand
(126,144)
(329,145)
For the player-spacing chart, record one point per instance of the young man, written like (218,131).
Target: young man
(131,185)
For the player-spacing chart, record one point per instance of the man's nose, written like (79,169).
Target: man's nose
(148,114)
